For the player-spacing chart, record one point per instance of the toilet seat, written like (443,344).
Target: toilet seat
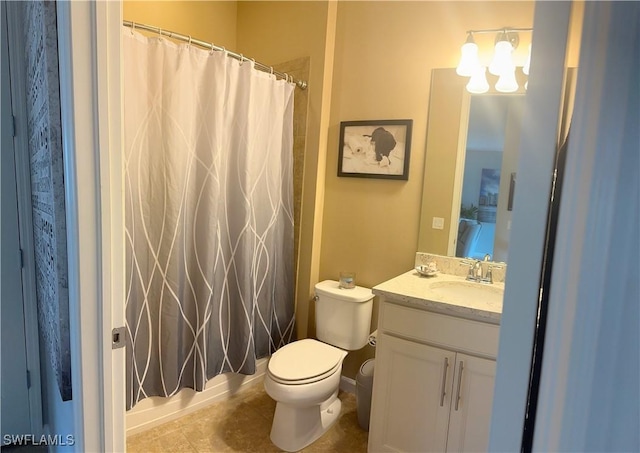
(304,362)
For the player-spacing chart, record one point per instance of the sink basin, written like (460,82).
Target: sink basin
(464,291)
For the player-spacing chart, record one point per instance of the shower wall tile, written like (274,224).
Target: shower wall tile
(299,69)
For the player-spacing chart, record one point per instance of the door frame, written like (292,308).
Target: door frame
(97,215)
(89,46)
(540,130)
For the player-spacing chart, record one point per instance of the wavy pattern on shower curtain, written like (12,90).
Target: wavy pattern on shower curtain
(209,218)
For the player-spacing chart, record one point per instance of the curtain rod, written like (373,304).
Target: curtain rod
(210,46)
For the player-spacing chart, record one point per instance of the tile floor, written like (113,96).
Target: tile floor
(243,424)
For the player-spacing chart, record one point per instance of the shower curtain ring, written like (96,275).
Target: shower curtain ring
(271,68)
(241,59)
(189,44)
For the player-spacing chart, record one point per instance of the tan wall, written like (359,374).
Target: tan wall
(208,21)
(385,52)
(440,165)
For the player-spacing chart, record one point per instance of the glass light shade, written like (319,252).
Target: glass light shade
(502,60)
(507,82)
(526,85)
(478,82)
(525,69)
(468,59)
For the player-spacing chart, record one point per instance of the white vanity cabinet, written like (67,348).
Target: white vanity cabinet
(433,382)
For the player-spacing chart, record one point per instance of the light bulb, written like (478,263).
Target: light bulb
(507,82)
(502,60)
(468,58)
(525,69)
(478,82)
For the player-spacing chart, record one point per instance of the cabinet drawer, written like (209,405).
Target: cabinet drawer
(449,332)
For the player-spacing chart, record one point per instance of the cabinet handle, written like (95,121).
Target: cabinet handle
(444,380)
(458,396)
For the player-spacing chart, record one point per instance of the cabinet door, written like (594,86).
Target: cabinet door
(411,396)
(471,404)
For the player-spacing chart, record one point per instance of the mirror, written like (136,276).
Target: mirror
(472,144)
(462,126)
(488,182)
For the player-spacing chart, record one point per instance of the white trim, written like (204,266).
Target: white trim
(23,183)
(459,173)
(589,387)
(541,121)
(155,411)
(347,384)
(81,144)
(109,100)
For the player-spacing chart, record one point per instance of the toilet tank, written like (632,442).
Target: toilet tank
(343,316)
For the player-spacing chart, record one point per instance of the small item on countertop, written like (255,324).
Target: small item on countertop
(427,270)
(347,280)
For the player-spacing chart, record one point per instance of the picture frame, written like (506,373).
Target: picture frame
(375,149)
(512,189)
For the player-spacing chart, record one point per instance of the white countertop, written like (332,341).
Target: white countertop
(414,290)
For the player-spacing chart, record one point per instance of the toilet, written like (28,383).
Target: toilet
(303,377)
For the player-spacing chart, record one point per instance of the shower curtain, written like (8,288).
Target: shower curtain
(209,217)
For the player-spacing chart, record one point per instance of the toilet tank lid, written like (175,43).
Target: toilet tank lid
(332,288)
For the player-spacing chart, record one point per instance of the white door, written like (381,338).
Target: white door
(416,379)
(15,392)
(472,398)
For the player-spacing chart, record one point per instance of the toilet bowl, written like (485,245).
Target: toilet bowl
(307,399)
(303,377)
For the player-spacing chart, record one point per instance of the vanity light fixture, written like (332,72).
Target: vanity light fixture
(507,81)
(502,60)
(501,65)
(478,82)
(469,61)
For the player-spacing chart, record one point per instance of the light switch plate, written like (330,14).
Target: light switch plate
(438,223)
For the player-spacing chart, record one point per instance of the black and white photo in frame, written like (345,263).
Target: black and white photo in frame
(375,149)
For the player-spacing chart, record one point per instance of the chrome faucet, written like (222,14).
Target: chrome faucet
(475,270)
(488,276)
(477,273)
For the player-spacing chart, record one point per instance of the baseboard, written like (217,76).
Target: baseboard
(347,384)
(155,411)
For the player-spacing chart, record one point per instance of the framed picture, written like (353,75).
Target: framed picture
(512,189)
(488,196)
(375,149)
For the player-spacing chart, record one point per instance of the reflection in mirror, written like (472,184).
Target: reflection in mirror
(453,130)
(447,135)
(490,157)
